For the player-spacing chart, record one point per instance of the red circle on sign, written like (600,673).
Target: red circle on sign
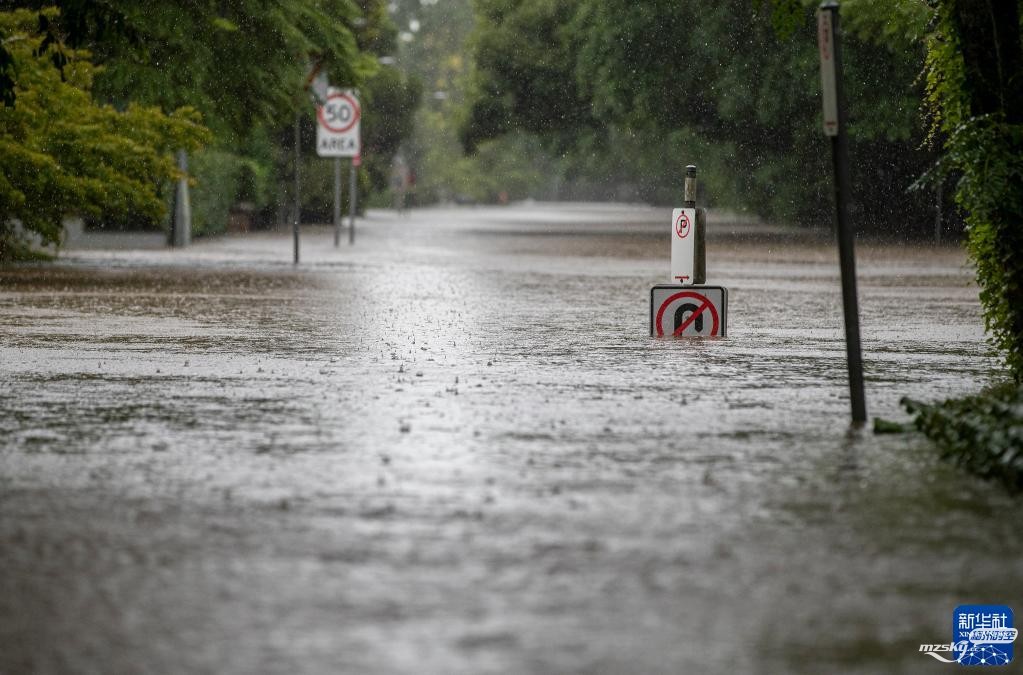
(705,304)
(683,226)
(356,114)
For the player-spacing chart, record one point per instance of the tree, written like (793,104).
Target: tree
(240,63)
(390,100)
(726,85)
(524,70)
(61,152)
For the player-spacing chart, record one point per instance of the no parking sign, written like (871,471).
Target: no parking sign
(683,246)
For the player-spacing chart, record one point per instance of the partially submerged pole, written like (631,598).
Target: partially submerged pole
(700,228)
(829,37)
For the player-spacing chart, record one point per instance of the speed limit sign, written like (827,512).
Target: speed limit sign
(337,124)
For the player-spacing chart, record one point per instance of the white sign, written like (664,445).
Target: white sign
(691,311)
(338,121)
(320,88)
(683,246)
(316,81)
(826,43)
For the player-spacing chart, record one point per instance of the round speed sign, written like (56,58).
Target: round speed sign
(339,113)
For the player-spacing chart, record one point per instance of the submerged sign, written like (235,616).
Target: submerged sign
(685,307)
(688,311)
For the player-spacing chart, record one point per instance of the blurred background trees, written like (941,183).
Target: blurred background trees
(627,94)
(62,152)
(490,100)
(238,66)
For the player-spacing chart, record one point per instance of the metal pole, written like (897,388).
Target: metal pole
(699,228)
(689,198)
(181,234)
(352,196)
(337,202)
(846,235)
(298,187)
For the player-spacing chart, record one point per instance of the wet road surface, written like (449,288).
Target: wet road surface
(453,448)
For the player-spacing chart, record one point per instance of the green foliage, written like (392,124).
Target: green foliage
(390,99)
(240,63)
(435,59)
(223,179)
(989,154)
(982,433)
(786,15)
(900,24)
(736,80)
(883,426)
(524,77)
(318,189)
(979,115)
(62,153)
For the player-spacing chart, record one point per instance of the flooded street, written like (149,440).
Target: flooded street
(454,448)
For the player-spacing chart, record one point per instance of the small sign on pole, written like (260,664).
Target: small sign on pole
(826,44)
(683,246)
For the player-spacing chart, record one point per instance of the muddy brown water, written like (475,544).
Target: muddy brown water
(453,448)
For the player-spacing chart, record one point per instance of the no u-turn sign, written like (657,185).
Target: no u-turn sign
(688,311)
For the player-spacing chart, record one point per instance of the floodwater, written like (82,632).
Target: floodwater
(454,448)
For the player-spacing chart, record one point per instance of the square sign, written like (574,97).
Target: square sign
(688,311)
(337,124)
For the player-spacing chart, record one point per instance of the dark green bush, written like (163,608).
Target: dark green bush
(222,180)
(982,433)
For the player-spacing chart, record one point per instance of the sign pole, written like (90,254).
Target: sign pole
(298,188)
(699,227)
(338,135)
(829,37)
(182,223)
(353,188)
(337,202)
